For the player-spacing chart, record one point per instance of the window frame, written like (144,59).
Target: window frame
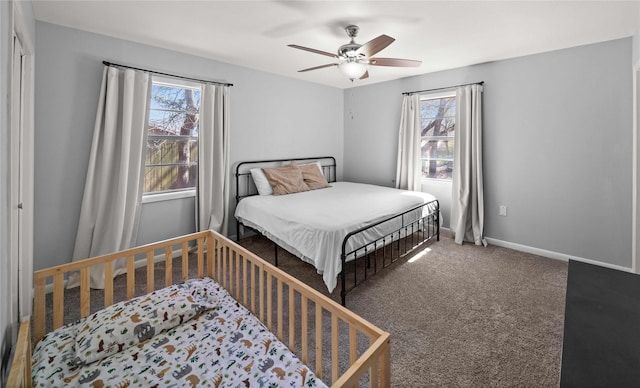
(435,96)
(157,196)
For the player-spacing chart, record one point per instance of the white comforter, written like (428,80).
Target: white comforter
(313,224)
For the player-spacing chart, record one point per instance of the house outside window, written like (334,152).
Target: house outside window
(171,163)
(438,122)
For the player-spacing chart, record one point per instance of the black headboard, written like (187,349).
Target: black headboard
(245,187)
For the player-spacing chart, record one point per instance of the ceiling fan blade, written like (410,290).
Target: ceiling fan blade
(375,45)
(318,67)
(365,75)
(313,50)
(397,62)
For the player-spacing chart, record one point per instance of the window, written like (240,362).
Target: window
(172,144)
(438,121)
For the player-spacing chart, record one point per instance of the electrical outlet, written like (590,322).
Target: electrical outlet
(503,210)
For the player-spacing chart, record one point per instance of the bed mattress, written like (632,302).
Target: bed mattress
(223,347)
(313,224)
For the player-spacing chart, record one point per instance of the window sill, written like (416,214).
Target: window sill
(436,180)
(149,198)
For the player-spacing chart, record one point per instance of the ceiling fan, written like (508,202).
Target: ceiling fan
(354,59)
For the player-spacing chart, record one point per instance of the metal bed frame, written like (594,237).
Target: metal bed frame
(412,233)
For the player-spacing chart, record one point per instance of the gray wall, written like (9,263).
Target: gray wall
(8,318)
(557,146)
(271,117)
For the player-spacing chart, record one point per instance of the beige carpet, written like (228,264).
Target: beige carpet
(460,316)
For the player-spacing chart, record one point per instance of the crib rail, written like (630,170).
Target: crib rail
(146,255)
(338,345)
(301,317)
(20,372)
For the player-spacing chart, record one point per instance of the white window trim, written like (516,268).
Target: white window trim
(168,196)
(437,95)
(183,83)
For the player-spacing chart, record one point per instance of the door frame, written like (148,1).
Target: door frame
(21,170)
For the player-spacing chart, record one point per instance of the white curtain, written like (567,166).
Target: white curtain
(213,158)
(114,184)
(467,206)
(408,168)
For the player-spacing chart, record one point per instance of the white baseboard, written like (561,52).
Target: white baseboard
(49,287)
(552,254)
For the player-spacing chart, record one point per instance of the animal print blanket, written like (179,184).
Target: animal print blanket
(223,347)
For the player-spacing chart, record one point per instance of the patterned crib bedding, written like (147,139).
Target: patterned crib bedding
(224,346)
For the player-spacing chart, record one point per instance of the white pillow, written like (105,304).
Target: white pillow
(261,181)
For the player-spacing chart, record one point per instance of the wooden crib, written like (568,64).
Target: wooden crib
(341,348)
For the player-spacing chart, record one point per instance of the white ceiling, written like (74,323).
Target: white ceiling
(442,34)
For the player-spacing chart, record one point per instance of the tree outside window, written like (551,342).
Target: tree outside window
(172,143)
(438,122)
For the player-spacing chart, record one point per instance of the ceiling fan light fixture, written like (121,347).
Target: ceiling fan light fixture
(353,69)
(354,59)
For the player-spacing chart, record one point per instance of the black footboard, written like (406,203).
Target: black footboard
(414,227)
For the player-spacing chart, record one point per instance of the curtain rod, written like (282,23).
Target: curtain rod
(446,87)
(166,74)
